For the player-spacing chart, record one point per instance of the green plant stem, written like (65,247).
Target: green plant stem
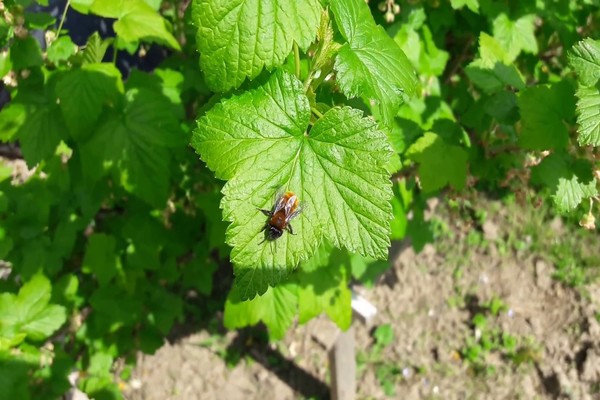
(316,112)
(62,18)
(297,59)
(308,81)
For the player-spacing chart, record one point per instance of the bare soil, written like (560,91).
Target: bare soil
(429,299)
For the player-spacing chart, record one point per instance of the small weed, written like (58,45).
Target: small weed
(475,238)
(387,373)
(487,339)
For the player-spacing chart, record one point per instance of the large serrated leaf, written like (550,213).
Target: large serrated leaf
(571,191)
(543,110)
(371,65)
(584,57)
(82,92)
(259,141)
(276,308)
(588,115)
(100,257)
(440,163)
(41,128)
(323,287)
(135,145)
(238,38)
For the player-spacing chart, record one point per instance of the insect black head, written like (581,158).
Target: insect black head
(272,232)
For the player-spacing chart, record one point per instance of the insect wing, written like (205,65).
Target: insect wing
(299,208)
(290,204)
(279,202)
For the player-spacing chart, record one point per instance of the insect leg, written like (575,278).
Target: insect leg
(290,229)
(268,213)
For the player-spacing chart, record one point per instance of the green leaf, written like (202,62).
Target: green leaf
(100,258)
(42,127)
(12,118)
(163,308)
(493,70)
(198,273)
(491,51)
(503,106)
(113,308)
(568,178)
(82,6)
(137,143)
(169,82)
(323,287)
(41,132)
(366,269)
(432,60)
(371,65)
(5,63)
(146,238)
(29,312)
(494,79)
(155,4)
(338,170)
(209,204)
(61,49)
(39,20)
(136,21)
(45,323)
(82,93)
(26,53)
(139,22)
(588,116)
(95,49)
(440,163)
(543,112)
(64,291)
(472,5)
(550,170)
(100,364)
(15,377)
(584,58)
(515,35)
(571,192)
(400,206)
(384,335)
(276,308)
(238,38)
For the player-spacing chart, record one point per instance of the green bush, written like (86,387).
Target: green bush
(116,231)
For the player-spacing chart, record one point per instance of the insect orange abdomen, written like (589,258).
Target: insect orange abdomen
(286,198)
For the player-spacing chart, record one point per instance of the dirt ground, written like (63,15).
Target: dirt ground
(429,300)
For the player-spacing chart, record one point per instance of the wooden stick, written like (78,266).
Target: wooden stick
(342,367)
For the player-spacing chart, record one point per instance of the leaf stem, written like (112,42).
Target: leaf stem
(316,112)
(62,18)
(308,81)
(297,59)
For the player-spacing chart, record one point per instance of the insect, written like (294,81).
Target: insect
(285,208)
